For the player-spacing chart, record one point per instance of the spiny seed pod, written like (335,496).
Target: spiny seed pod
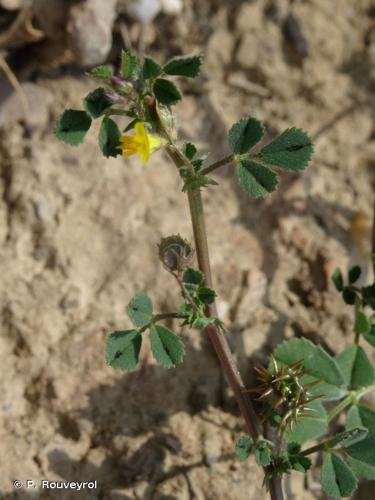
(284,394)
(175,253)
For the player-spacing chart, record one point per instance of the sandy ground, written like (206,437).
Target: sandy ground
(78,239)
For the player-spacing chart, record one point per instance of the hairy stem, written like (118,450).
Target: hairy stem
(218,340)
(373,240)
(217,164)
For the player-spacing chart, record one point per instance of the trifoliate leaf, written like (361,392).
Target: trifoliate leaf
(101,73)
(72,126)
(193,276)
(97,102)
(311,426)
(338,479)
(368,293)
(123,349)
(129,65)
(256,179)
(316,361)
(292,150)
(362,323)
(244,135)
(370,336)
(140,310)
(166,92)
(150,69)
(189,150)
(206,295)
(168,349)
(354,274)
(355,367)
(184,66)
(243,447)
(263,452)
(109,138)
(349,295)
(361,416)
(338,279)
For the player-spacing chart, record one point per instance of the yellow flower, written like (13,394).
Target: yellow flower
(141,142)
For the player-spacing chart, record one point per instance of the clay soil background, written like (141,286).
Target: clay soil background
(79,238)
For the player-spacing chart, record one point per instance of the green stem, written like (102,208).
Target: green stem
(217,164)
(350,399)
(160,317)
(175,315)
(373,240)
(218,340)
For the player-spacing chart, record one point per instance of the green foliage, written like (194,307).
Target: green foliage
(150,69)
(338,279)
(368,293)
(244,447)
(206,295)
(295,459)
(370,336)
(355,367)
(292,150)
(140,310)
(188,66)
(263,452)
(123,349)
(97,102)
(193,277)
(129,65)
(101,73)
(316,361)
(349,295)
(189,150)
(168,349)
(166,92)
(256,179)
(361,416)
(244,135)
(354,274)
(311,426)
(337,478)
(362,323)
(109,138)
(327,392)
(363,451)
(72,126)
